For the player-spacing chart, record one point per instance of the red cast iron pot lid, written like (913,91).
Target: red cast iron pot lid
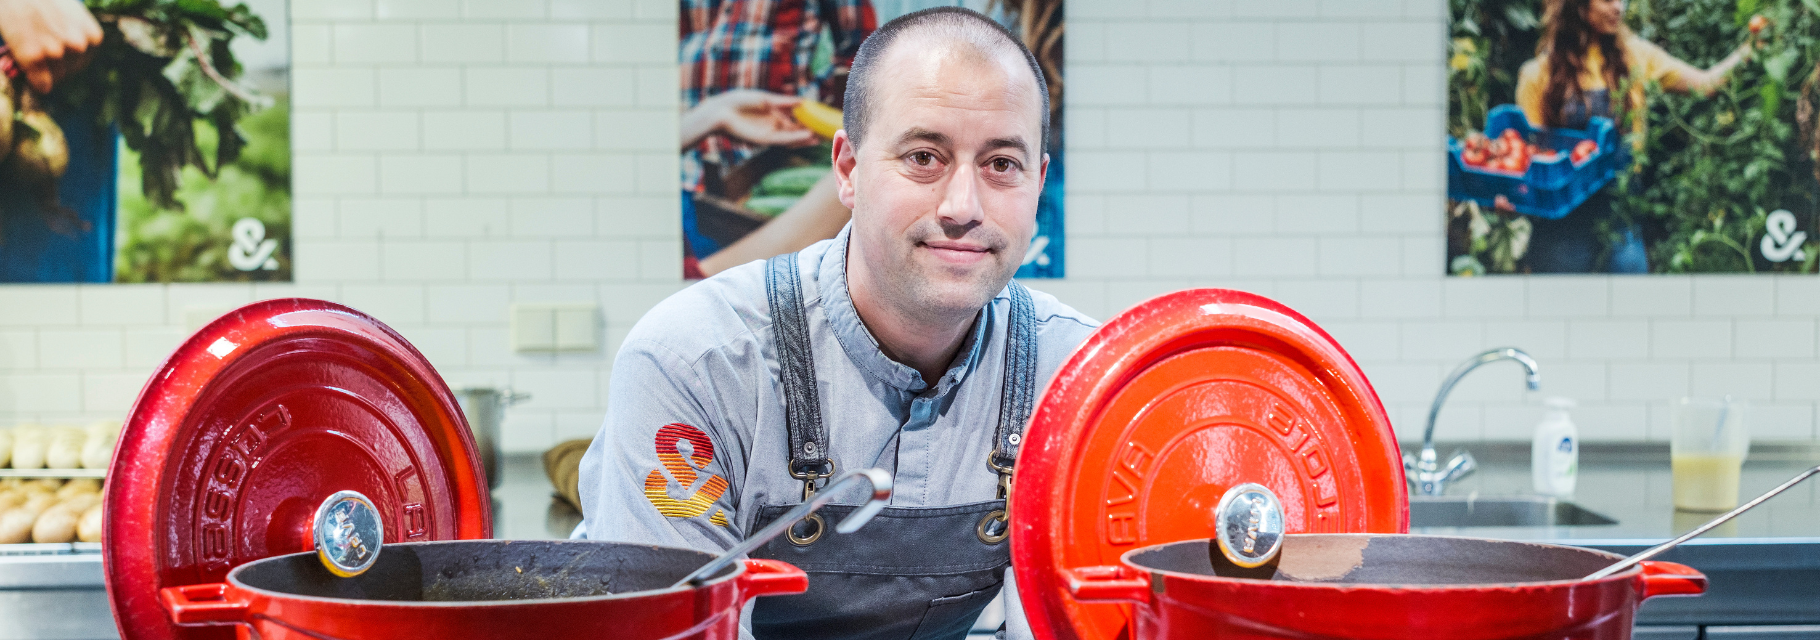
(251,424)
(1166,407)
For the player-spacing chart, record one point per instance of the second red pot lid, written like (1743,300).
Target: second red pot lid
(252,423)
(1166,407)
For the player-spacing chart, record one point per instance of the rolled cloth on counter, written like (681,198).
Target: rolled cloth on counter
(563,464)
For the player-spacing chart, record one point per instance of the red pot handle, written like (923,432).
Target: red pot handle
(202,604)
(766,577)
(1108,584)
(1671,579)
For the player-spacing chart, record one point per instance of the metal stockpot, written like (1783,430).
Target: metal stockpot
(1371,586)
(486,590)
(485,408)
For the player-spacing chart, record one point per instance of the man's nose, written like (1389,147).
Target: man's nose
(961,199)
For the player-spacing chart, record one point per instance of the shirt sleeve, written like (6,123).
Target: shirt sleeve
(1529,91)
(657,472)
(1652,62)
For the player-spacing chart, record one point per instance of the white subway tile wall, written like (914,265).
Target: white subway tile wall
(454,157)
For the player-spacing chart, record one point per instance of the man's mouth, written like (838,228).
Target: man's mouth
(956,251)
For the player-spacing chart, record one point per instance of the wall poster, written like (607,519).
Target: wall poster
(747,199)
(1649,136)
(164,157)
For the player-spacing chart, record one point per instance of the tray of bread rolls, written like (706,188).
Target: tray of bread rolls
(49,511)
(34,451)
(50,487)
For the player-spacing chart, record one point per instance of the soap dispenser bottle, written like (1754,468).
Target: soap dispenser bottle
(1554,455)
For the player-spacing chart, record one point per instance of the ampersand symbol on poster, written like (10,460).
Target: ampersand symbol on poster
(1038,253)
(251,250)
(1781,242)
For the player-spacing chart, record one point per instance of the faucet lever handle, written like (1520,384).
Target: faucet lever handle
(1460,466)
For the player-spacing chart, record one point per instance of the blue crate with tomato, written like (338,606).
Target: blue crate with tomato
(1542,172)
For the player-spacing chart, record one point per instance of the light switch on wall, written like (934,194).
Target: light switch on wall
(555,327)
(575,327)
(533,328)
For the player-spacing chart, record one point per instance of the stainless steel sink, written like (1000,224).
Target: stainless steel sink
(1499,511)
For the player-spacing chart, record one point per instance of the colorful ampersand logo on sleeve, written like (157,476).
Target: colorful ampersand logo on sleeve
(684,450)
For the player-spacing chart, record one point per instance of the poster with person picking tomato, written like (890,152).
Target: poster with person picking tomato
(1641,136)
(762,87)
(144,141)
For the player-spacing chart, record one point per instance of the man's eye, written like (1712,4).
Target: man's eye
(1002,165)
(922,158)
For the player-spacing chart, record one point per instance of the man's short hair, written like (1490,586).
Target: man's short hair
(957,23)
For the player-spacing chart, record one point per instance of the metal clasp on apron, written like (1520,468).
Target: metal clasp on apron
(996,526)
(815,520)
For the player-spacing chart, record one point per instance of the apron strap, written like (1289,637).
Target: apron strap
(809,459)
(1020,381)
(796,369)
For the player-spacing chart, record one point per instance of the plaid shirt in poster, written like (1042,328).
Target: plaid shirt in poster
(761,44)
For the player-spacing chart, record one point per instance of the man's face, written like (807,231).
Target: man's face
(944,190)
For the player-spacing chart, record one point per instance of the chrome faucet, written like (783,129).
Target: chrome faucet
(1425,472)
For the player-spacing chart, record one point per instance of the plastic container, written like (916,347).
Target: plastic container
(1554,454)
(1550,188)
(1707,453)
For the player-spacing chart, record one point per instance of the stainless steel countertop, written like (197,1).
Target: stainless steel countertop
(1631,484)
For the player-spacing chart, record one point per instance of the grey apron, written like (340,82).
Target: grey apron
(913,572)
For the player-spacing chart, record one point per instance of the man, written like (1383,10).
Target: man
(912,355)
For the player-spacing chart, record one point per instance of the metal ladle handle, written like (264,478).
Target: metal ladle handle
(880,482)
(1658,549)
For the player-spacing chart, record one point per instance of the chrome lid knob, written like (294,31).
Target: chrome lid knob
(347,533)
(1248,525)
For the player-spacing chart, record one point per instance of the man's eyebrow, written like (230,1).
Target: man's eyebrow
(924,135)
(1022,147)
(941,139)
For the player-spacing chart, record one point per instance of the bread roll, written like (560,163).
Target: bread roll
(88,528)
(10,498)
(65,451)
(30,443)
(39,501)
(44,484)
(16,525)
(79,485)
(11,483)
(6,447)
(79,503)
(98,448)
(56,524)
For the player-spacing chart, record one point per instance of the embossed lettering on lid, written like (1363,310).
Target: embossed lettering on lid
(251,424)
(1165,407)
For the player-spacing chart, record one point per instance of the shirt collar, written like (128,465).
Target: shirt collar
(857,341)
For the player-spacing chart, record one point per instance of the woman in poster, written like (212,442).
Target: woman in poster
(1585,51)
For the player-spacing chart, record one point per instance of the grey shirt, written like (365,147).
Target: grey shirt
(694,440)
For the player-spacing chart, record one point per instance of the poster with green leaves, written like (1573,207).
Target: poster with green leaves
(149,141)
(1648,136)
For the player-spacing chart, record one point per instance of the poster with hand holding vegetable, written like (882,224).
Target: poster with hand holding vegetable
(1640,136)
(149,141)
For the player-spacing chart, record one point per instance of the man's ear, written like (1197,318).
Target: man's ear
(845,158)
(1042,177)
